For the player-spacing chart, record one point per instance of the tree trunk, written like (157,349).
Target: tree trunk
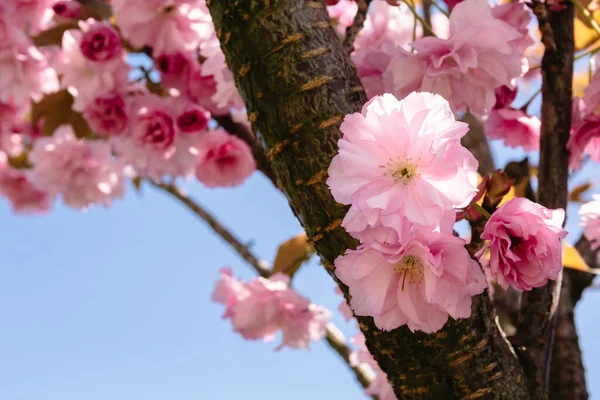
(298,83)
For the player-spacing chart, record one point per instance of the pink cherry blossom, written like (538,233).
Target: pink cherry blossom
(85,79)
(418,284)
(505,96)
(226,95)
(107,115)
(590,220)
(153,145)
(201,88)
(193,119)
(261,308)
(167,26)
(24,73)
(100,42)
(386,25)
(380,386)
(16,186)
(584,139)
(465,69)
(515,127)
(223,159)
(83,172)
(69,9)
(229,291)
(452,3)
(402,159)
(344,308)
(342,14)
(32,15)
(524,242)
(174,68)
(591,96)
(518,16)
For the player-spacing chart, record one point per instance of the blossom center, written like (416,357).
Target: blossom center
(409,267)
(402,171)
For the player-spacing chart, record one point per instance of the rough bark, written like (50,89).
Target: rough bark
(538,318)
(298,83)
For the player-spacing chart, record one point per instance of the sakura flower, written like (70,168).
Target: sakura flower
(584,139)
(229,291)
(518,16)
(226,95)
(505,96)
(107,115)
(260,309)
(590,220)
(478,57)
(343,308)
(201,89)
(165,25)
(223,159)
(515,127)
(25,73)
(417,284)
(524,242)
(402,159)
(386,25)
(100,42)
(591,96)
(69,9)
(16,186)
(83,172)
(173,68)
(32,15)
(379,386)
(153,145)
(86,79)
(342,14)
(194,119)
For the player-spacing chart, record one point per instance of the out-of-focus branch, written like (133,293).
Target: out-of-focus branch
(427,14)
(477,143)
(239,130)
(333,337)
(538,307)
(359,20)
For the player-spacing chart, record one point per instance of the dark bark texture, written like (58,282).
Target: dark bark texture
(536,328)
(298,83)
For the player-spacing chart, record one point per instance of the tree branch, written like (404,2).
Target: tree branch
(477,143)
(353,30)
(333,338)
(567,373)
(538,307)
(298,83)
(239,130)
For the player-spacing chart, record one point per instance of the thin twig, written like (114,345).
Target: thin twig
(426,12)
(353,30)
(427,30)
(332,336)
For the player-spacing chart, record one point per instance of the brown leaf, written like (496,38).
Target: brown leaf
(54,109)
(291,254)
(53,36)
(137,183)
(578,192)
(97,9)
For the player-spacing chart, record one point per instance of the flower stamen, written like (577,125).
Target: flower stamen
(412,267)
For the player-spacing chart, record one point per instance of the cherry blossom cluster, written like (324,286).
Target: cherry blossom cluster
(402,169)
(116,128)
(263,307)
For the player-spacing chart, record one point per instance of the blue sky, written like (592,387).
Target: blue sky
(114,304)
